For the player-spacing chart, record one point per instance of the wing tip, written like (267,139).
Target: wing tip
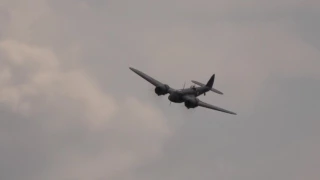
(134,70)
(229,112)
(219,92)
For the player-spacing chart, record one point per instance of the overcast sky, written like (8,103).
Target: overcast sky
(70,109)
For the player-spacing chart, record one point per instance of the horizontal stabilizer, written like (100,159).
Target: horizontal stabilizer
(212,89)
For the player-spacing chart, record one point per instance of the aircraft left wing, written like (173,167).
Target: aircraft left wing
(149,79)
(209,106)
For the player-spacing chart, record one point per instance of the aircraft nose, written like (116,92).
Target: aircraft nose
(171,97)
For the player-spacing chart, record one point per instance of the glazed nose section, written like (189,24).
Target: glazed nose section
(171,97)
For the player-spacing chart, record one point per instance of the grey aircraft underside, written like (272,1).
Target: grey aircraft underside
(188,96)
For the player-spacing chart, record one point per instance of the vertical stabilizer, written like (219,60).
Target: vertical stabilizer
(211,81)
(209,84)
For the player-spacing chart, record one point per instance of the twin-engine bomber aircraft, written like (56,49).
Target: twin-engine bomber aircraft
(188,95)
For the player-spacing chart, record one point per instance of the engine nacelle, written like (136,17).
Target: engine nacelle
(191,103)
(162,90)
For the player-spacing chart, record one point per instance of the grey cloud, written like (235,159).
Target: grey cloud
(68,118)
(307,26)
(64,67)
(4,20)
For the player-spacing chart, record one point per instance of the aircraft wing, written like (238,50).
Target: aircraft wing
(148,78)
(209,106)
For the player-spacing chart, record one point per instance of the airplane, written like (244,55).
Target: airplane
(187,96)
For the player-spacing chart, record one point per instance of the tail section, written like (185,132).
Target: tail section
(209,84)
(211,81)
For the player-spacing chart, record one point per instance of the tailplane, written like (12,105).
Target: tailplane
(209,84)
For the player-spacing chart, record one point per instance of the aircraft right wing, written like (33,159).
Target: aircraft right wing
(209,106)
(149,79)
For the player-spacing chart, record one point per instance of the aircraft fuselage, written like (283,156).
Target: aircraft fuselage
(176,97)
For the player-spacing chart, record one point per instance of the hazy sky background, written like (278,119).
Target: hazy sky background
(72,110)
